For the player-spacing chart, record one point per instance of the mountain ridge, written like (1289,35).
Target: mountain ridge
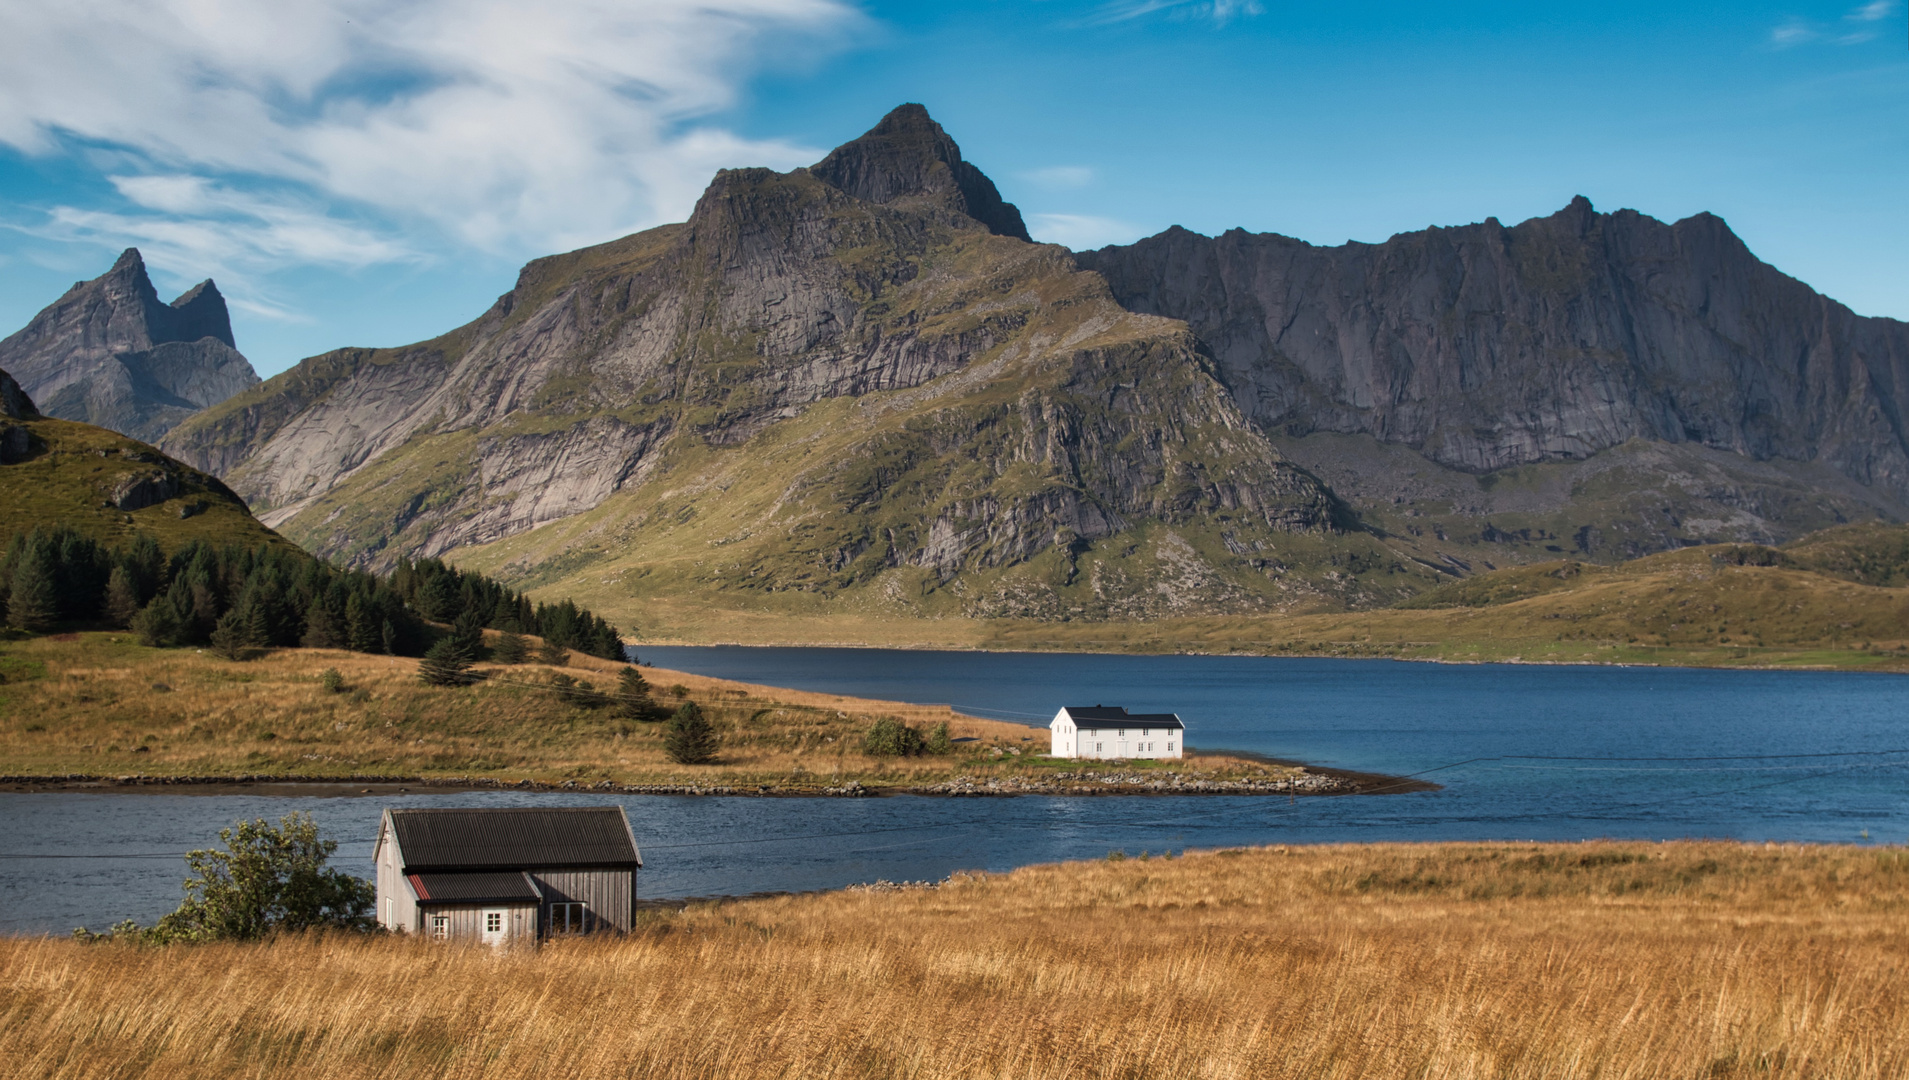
(856,387)
(111,353)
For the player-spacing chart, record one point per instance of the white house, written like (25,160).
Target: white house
(1107,731)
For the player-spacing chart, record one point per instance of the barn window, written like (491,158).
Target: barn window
(567,918)
(493,922)
(440,926)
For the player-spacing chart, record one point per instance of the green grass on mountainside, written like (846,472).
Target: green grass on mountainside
(72,472)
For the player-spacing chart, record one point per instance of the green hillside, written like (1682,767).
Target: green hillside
(112,488)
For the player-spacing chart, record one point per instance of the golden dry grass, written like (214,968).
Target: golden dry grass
(87,704)
(1443,961)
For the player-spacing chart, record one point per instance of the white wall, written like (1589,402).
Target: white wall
(1115,744)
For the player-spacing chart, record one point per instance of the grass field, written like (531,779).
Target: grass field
(1460,961)
(1696,607)
(98,704)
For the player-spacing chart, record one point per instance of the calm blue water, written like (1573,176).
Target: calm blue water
(1523,752)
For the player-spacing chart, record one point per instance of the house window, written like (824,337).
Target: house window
(1098,747)
(493,922)
(1169,748)
(440,926)
(567,918)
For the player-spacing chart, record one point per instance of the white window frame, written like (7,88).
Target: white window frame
(440,926)
(494,917)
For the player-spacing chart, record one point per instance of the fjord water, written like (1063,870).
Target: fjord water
(1522,752)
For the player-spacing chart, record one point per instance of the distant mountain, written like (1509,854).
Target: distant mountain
(57,472)
(857,392)
(1483,348)
(111,353)
(855,380)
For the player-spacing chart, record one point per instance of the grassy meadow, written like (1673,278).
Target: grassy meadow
(1836,604)
(1443,962)
(99,704)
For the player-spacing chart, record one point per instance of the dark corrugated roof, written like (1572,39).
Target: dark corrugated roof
(1103,717)
(517,839)
(474,887)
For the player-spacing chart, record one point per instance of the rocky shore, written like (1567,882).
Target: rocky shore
(1062,783)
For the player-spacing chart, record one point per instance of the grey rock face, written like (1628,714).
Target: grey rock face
(1484,347)
(781,293)
(909,156)
(14,402)
(111,353)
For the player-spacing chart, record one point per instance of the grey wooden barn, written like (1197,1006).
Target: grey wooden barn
(506,876)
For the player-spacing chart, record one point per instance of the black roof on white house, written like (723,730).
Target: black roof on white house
(514,839)
(1103,717)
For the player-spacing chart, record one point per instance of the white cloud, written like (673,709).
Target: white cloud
(1220,12)
(1060,177)
(1081,232)
(1791,33)
(496,124)
(1798,32)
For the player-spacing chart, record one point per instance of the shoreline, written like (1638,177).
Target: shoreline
(1515,661)
(1091,782)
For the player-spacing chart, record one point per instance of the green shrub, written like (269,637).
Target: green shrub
(268,879)
(689,739)
(890,737)
(939,741)
(446,664)
(633,696)
(511,648)
(553,654)
(332,681)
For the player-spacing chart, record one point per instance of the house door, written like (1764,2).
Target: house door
(494,926)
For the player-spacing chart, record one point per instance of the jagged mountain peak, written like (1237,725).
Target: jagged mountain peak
(111,352)
(908,155)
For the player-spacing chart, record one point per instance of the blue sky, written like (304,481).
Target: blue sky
(371,172)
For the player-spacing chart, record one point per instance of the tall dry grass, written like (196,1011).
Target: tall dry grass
(1449,961)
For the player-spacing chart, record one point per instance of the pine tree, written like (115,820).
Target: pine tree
(228,636)
(633,696)
(321,627)
(690,740)
(361,627)
(553,654)
(157,624)
(469,631)
(34,601)
(446,664)
(122,597)
(511,648)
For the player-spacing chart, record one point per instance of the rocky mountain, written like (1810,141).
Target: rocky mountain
(1482,348)
(853,380)
(105,485)
(111,353)
(857,391)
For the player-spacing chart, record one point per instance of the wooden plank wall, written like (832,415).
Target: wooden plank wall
(609,894)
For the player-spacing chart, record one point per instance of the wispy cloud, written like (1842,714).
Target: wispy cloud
(1060,177)
(1081,232)
(320,132)
(1219,12)
(1800,32)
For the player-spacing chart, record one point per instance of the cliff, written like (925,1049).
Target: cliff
(111,353)
(1484,347)
(850,380)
